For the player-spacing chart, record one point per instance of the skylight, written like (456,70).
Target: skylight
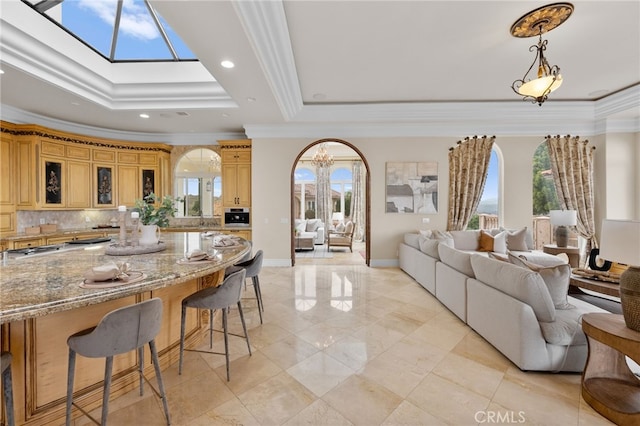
(119,30)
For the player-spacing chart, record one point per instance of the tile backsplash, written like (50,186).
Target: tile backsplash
(87,219)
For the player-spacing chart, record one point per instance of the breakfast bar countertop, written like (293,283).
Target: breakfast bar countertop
(40,285)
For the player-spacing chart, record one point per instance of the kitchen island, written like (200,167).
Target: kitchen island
(42,303)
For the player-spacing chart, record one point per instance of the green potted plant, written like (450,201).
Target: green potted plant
(152,218)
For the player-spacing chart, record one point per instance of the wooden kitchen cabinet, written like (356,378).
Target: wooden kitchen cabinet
(79,185)
(236,173)
(7,184)
(26,243)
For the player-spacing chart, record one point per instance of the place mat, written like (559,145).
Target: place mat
(133,277)
(185,261)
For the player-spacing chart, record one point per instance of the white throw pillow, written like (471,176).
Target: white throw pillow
(300,227)
(340,227)
(466,240)
(556,278)
(411,239)
(517,240)
(312,225)
(443,237)
(429,246)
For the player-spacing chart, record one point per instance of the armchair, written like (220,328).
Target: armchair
(341,239)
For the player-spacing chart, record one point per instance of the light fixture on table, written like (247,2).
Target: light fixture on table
(337,217)
(535,23)
(561,219)
(321,158)
(620,242)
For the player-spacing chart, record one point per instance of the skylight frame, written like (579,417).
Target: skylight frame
(43,6)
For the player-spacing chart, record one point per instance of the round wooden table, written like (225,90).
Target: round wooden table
(608,385)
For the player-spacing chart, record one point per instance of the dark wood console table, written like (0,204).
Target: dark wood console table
(608,385)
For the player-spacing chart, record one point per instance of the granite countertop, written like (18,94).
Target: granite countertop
(39,285)
(115,231)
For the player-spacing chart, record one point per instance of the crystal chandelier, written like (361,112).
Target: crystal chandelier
(534,23)
(322,158)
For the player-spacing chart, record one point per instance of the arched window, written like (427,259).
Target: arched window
(341,190)
(198,184)
(305,193)
(487,213)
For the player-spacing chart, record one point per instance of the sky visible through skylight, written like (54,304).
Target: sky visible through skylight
(138,37)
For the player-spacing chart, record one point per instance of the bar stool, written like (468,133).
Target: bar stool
(120,331)
(253,268)
(7,386)
(212,298)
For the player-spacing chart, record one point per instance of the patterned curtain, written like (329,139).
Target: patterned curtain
(468,165)
(357,200)
(572,167)
(323,196)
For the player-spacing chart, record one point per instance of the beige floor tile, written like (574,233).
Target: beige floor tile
(289,351)
(248,371)
(277,399)
(323,335)
(320,373)
(475,348)
(410,415)
(362,401)
(446,400)
(231,412)
(266,335)
(469,374)
(318,414)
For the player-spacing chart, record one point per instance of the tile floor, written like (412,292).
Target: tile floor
(351,345)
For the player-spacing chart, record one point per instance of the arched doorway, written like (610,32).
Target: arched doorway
(366,213)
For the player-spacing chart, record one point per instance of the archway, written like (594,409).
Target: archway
(367,197)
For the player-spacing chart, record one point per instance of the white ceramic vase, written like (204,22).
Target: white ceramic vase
(149,235)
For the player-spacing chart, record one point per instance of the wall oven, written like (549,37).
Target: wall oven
(237,216)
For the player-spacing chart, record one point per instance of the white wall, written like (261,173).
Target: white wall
(616,158)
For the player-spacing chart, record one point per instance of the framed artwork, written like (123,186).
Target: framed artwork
(104,186)
(53,182)
(148,182)
(412,187)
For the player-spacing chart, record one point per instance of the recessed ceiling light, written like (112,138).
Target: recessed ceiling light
(251,99)
(143,115)
(227,64)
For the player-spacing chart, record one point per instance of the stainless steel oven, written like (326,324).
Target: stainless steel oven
(237,216)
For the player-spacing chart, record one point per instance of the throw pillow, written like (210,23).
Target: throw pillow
(340,227)
(443,237)
(486,242)
(429,246)
(312,225)
(300,227)
(498,256)
(556,278)
(517,240)
(427,233)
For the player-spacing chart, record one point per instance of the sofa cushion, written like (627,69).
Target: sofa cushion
(429,246)
(523,284)
(517,240)
(540,258)
(556,278)
(340,227)
(466,240)
(458,260)
(411,239)
(301,226)
(528,237)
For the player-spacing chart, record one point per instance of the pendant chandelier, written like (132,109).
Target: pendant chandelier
(321,158)
(535,23)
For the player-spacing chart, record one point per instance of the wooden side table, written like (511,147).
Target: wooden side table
(573,253)
(607,383)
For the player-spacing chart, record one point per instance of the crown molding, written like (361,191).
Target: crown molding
(265,23)
(18,116)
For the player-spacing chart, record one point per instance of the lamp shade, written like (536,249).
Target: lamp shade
(337,216)
(563,217)
(620,241)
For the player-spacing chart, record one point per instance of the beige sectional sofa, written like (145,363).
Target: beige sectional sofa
(507,304)
(310,228)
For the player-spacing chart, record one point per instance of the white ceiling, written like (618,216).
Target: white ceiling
(329,69)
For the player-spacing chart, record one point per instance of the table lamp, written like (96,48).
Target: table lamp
(337,217)
(620,242)
(561,219)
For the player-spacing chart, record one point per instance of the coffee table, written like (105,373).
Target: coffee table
(303,243)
